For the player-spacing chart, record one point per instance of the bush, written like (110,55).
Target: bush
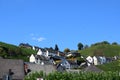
(75,76)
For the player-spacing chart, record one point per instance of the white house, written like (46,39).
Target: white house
(89,60)
(58,53)
(95,60)
(115,57)
(32,59)
(39,52)
(47,53)
(33,47)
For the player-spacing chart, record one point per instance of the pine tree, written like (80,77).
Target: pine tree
(56,48)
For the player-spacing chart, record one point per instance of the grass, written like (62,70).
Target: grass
(104,49)
(112,66)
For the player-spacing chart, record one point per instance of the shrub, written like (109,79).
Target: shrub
(75,76)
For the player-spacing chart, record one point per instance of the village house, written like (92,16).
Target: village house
(40,57)
(89,60)
(66,64)
(32,59)
(102,59)
(95,60)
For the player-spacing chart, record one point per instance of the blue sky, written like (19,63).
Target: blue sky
(64,22)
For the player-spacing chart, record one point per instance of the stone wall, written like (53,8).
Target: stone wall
(37,68)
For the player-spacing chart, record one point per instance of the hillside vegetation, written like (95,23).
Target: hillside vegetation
(14,52)
(102,49)
(112,66)
(108,50)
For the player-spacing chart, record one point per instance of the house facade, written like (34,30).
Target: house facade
(95,60)
(89,60)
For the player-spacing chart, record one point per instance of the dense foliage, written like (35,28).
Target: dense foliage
(75,76)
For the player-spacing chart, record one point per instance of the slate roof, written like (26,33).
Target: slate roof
(17,67)
(41,57)
(57,58)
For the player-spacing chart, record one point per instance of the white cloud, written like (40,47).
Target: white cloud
(38,39)
(35,37)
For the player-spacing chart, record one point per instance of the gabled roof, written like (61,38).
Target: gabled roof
(41,57)
(16,66)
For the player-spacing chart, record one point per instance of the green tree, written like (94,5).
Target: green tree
(66,50)
(56,47)
(80,46)
(101,43)
(105,42)
(114,43)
